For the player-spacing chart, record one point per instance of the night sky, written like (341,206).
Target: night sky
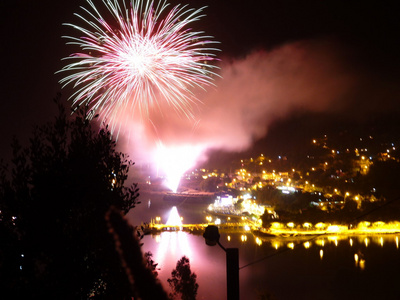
(339,57)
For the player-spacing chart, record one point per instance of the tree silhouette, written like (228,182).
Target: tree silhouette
(183,281)
(140,274)
(53,201)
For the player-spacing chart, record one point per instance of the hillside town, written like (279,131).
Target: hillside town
(328,179)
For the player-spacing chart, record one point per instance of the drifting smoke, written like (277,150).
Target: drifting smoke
(253,92)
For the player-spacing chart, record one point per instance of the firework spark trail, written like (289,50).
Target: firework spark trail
(138,60)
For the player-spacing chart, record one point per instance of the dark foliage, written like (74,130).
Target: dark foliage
(183,281)
(141,277)
(53,199)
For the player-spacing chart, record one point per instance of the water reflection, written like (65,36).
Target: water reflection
(172,243)
(291,264)
(170,246)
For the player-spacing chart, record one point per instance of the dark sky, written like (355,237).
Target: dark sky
(364,34)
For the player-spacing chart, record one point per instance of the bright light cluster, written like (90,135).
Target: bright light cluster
(174,219)
(137,55)
(173,161)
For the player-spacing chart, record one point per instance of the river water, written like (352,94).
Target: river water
(325,267)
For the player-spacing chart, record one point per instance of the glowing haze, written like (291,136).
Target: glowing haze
(253,92)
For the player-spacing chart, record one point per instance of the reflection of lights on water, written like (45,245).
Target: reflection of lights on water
(172,243)
(290,245)
(276,245)
(336,242)
(351,242)
(366,241)
(362,264)
(381,241)
(356,259)
(258,241)
(174,219)
(397,242)
(307,245)
(332,237)
(360,261)
(321,253)
(320,242)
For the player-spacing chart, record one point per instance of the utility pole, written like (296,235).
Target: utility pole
(211,236)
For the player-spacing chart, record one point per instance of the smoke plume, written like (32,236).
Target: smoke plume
(256,90)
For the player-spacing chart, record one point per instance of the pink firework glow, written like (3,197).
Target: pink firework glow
(143,57)
(173,161)
(255,91)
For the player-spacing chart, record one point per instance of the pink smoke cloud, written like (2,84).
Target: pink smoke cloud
(253,92)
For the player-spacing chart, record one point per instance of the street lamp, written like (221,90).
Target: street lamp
(211,236)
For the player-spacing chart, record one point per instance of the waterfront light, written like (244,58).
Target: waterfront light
(276,225)
(290,224)
(290,245)
(333,228)
(321,253)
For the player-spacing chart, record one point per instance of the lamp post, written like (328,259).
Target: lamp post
(211,236)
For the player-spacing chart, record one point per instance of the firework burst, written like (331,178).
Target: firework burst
(143,56)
